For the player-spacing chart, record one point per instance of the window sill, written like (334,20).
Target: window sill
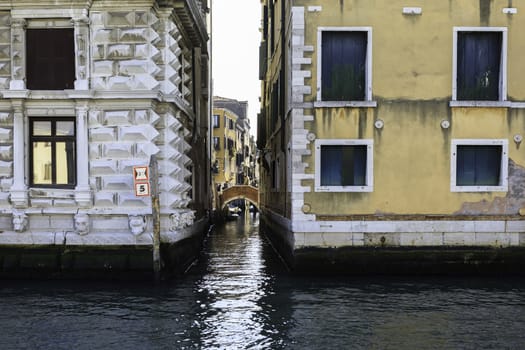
(48,192)
(454,188)
(338,104)
(494,104)
(344,189)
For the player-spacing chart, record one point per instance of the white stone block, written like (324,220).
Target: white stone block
(493,239)
(117,117)
(515,226)
(130,200)
(64,203)
(337,239)
(358,239)
(120,83)
(459,238)
(97,19)
(172,200)
(94,151)
(133,67)
(299,239)
(170,184)
(117,150)
(39,222)
(41,202)
(146,150)
(145,82)
(143,51)
(136,35)
(103,167)
(98,52)
(421,239)
(301,60)
(104,36)
(5,135)
(489,226)
(120,51)
(313,239)
(103,68)
(6,169)
(99,83)
(138,133)
(11,237)
(104,199)
(117,182)
(44,238)
(98,239)
(61,222)
(102,134)
(110,223)
(125,166)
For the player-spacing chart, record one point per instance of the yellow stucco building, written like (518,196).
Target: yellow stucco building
(385,127)
(233,157)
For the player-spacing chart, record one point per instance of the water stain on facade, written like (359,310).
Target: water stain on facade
(440,117)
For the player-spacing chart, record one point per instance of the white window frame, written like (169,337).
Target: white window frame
(216,121)
(503,69)
(367,102)
(504,170)
(369,187)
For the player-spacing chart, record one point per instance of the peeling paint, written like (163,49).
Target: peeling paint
(508,205)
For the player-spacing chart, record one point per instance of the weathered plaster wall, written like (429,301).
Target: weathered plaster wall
(412,55)
(412,84)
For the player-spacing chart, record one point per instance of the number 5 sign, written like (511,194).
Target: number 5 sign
(141,181)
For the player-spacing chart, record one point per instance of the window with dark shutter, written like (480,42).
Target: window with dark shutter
(50,61)
(479,65)
(343,165)
(343,60)
(478,165)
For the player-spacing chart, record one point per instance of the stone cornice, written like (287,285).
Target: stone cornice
(32,4)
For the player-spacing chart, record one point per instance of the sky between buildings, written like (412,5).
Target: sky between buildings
(235,52)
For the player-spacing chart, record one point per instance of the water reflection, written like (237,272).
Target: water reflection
(239,297)
(234,315)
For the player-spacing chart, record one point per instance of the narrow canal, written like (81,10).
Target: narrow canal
(240,297)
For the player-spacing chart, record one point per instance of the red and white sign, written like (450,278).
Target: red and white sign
(140,173)
(142,189)
(141,181)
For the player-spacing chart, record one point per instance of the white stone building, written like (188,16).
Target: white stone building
(89,89)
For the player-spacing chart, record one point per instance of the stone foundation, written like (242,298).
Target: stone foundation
(398,247)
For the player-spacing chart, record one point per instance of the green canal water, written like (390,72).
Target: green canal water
(239,296)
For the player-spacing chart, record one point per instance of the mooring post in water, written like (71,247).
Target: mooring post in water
(155,211)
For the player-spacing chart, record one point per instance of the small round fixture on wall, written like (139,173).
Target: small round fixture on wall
(518,138)
(306,208)
(310,136)
(445,124)
(379,124)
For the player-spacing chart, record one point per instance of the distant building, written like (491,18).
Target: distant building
(89,90)
(391,136)
(234,157)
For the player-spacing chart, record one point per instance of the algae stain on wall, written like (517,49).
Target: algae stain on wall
(484,11)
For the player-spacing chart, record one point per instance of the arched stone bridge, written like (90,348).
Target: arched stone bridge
(249,193)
